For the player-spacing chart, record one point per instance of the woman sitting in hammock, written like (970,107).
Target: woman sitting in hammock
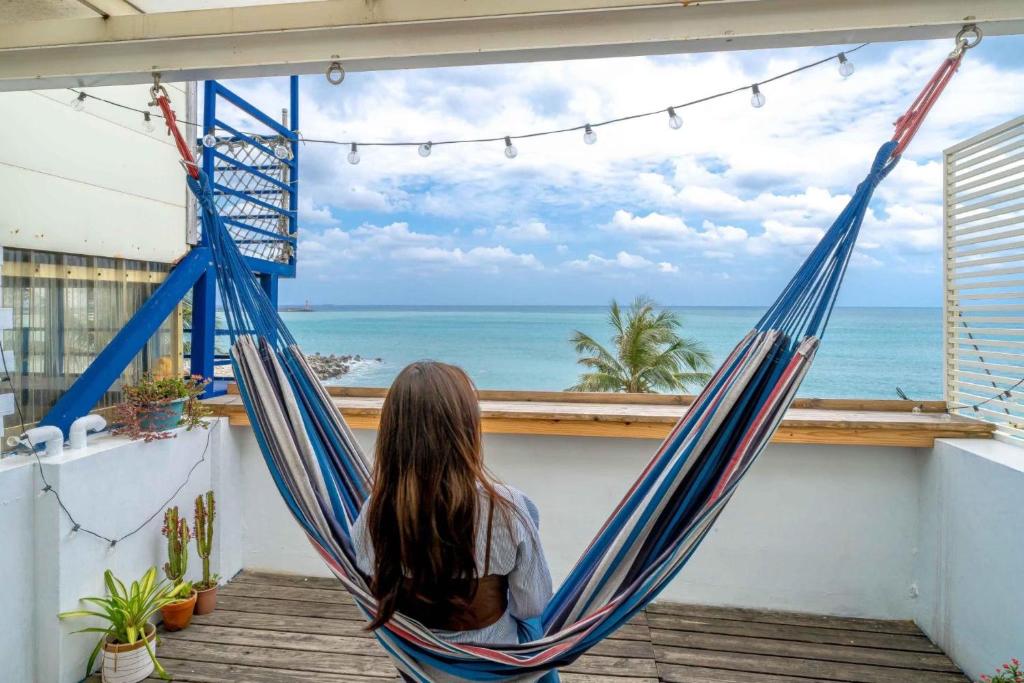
(442,541)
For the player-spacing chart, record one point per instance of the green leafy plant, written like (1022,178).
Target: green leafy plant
(154,397)
(1009,673)
(648,353)
(206,511)
(127,611)
(178,535)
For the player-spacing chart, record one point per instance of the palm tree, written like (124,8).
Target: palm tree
(649,355)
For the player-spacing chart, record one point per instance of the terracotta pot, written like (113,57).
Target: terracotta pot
(178,614)
(128,663)
(206,600)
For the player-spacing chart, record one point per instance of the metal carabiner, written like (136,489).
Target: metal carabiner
(964,41)
(157,90)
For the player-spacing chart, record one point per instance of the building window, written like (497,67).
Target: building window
(66,308)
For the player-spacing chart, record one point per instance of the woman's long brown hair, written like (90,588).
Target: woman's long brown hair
(422,516)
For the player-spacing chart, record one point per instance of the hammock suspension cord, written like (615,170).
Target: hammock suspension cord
(324,478)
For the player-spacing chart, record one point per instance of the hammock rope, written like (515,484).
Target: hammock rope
(324,477)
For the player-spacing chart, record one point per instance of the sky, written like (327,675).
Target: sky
(719,212)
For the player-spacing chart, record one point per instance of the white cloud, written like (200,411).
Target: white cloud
(488,258)
(622,261)
(530,231)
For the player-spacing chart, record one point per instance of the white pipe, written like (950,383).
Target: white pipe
(48,435)
(82,426)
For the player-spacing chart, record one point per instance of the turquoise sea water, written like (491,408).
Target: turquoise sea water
(866,352)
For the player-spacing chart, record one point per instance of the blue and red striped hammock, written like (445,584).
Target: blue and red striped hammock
(324,477)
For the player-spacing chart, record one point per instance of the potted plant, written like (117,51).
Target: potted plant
(1009,673)
(128,639)
(177,614)
(206,589)
(158,404)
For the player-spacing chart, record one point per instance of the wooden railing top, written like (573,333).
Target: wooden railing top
(650,416)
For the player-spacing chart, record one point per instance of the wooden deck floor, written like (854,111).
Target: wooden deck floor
(278,629)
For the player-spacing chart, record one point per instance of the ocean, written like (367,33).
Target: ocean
(866,352)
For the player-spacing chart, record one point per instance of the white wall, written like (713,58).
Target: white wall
(91,182)
(111,488)
(17,495)
(813,528)
(970,569)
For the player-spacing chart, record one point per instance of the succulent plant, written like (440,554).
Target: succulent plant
(178,535)
(205,514)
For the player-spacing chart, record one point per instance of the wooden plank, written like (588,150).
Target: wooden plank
(297,608)
(286,623)
(785,648)
(789,618)
(614,666)
(268,578)
(674,673)
(190,671)
(801,425)
(808,668)
(369,666)
(797,633)
(320,595)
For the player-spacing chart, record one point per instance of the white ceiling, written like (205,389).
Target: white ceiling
(36,10)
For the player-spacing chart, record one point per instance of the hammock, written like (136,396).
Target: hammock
(324,477)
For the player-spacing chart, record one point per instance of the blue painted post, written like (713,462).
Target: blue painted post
(204,323)
(268,282)
(204,294)
(293,222)
(126,344)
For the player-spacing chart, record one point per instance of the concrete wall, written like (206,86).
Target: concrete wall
(111,487)
(932,535)
(839,537)
(970,567)
(91,182)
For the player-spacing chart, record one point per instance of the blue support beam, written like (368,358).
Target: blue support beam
(101,374)
(268,282)
(204,324)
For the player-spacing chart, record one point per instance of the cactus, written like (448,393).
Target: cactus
(178,535)
(205,513)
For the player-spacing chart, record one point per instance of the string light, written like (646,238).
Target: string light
(48,489)
(335,70)
(78,104)
(757,97)
(674,121)
(209,140)
(147,122)
(353,155)
(589,136)
(845,66)
(425,149)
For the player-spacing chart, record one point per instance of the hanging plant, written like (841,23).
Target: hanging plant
(156,405)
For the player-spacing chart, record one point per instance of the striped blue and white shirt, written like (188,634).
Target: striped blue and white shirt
(516,552)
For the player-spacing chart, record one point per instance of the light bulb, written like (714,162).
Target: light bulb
(209,140)
(78,104)
(589,136)
(757,98)
(147,122)
(674,122)
(510,149)
(425,148)
(281,151)
(353,156)
(845,66)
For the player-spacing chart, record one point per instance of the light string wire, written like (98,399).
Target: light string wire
(839,56)
(47,488)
